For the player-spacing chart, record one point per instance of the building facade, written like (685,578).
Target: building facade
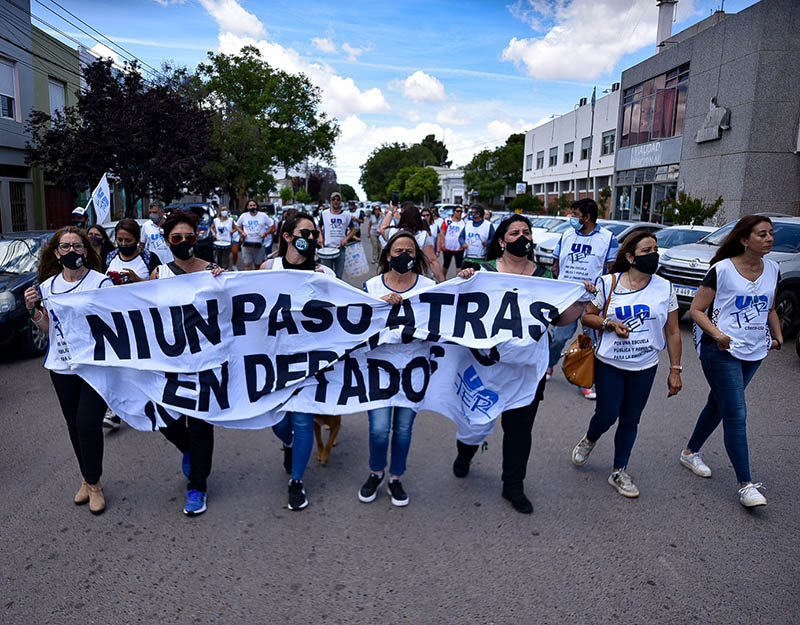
(715,114)
(573,155)
(452,181)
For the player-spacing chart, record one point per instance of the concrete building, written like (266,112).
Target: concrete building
(715,113)
(453,189)
(563,153)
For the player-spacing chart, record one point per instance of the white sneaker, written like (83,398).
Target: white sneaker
(110,420)
(749,496)
(581,452)
(589,393)
(621,482)
(694,462)
(548,374)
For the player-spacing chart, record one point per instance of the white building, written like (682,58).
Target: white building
(452,181)
(558,153)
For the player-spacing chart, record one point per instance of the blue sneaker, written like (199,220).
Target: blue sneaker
(195,503)
(186,465)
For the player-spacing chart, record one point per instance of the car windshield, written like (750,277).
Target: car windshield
(562,227)
(19,255)
(548,223)
(670,237)
(787,236)
(616,229)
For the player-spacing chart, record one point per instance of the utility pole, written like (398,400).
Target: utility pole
(591,141)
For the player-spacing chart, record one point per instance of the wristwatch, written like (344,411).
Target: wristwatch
(778,348)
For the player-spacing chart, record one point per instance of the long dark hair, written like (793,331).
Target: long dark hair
(107,245)
(288,225)
(411,219)
(732,246)
(494,250)
(179,217)
(50,266)
(621,263)
(420,262)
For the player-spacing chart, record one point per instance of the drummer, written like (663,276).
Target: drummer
(336,232)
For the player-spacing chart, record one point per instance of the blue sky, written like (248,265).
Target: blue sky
(471,72)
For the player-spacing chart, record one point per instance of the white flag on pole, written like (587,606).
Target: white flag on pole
(101,198)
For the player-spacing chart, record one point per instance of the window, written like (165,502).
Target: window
(8,109)
(528,162)
(553,157)
(608,142)
(540,160)
(57,96)
(569,148)
(655,109)
(586,148)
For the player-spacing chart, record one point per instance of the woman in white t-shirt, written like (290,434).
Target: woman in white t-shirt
(296,248)
(401,269)
(636,315)
(411,220)
(70,264)
(735,327)
(130,262)
(222,229)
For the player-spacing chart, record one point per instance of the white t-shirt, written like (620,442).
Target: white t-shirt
(277,263)
(476,236)
(377,287)
(268,238)
(583,256)
(422,238)
(137,264)
(58,356)
(452,232)
(224,230)
(335,227)
(645,312)
(153,240)
(254,226)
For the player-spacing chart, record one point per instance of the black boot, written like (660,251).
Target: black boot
(465,454)
(516,495)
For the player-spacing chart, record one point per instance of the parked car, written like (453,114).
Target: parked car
(681,235)
(686,266)
(543,253)
(19,264)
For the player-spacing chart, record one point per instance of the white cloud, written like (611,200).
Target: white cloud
(500,130)
(323,44)
(421,87)
(165,3)
(104,52)
(232,18)
(586,38)
(352,52)
(452,117)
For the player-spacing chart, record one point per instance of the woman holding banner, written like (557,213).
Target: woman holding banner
(411,220)
(401,266)
(193,437)
(296,248)
(510,251)
(130,262)
(639,319)
(70,264)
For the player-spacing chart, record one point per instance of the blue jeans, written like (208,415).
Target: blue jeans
(296,430)
(728,377)
(337,264)
(558,340)
(621,395)
(380,421)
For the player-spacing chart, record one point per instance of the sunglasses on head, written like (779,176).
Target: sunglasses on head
(305,233)
(177,238)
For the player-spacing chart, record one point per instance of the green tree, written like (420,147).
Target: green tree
(303,196)
(151,136)
(563,203)
(348,193)
(422,186)
(604,195)
(490,171)
(524,202)
(438,149)
(689,210)
(381,167)
(264,117)
(287,195)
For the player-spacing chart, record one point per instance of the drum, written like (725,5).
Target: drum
(328,253)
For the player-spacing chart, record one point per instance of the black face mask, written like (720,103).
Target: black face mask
(96,241)
(403,263)
(127,250)
(520,247)
(183,250)
(306,247)
(73,260)
(646,263)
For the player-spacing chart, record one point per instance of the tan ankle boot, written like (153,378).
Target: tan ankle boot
(97,503)
(82,496)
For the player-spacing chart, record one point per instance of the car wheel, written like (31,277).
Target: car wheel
(788,308)
(34,340)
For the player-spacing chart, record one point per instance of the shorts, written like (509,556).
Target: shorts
(253,255)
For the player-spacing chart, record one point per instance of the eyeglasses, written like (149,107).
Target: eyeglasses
(65,247)
(426,214)
(305,233)
(177,238)
(458,210)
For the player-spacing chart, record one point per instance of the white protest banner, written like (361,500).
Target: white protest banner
(101,199)
(242,348)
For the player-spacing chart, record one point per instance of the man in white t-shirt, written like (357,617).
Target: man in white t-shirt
(271,229)
(253,228)
(152,237)
(336,231)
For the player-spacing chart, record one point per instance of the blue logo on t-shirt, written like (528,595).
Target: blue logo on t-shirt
(750,308)
(579,251)
(473,396)
(633,316)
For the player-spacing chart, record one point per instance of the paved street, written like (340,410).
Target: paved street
(684,552)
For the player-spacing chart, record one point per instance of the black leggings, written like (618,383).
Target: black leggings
(447,256)
(83,411)
(197,437)
(517,425)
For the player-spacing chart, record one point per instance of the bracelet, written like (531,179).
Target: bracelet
(676,367)
(604,325)
(780,344)
(38,319)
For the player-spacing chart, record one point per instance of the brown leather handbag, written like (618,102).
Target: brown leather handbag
(578,363)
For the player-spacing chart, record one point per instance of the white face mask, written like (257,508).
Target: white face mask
(224,213)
